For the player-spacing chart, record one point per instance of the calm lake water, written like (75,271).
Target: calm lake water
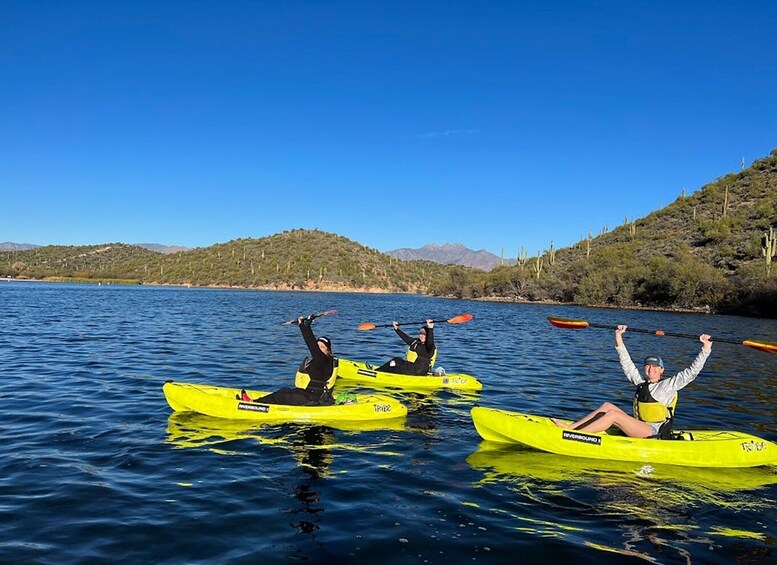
(95,467)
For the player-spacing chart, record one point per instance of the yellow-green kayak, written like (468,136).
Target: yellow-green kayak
(356,371)
(221,402)
(699,448)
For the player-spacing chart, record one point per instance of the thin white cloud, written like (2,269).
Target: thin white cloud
(447,133)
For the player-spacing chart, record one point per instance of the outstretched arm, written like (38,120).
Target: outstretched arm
(629,369)
(619,335)
(310,339)
(430,336)
(403,336)
(686,376)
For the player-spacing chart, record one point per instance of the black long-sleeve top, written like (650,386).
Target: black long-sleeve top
(321,365)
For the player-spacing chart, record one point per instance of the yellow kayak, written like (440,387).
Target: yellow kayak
(699,448)
(359,372)
(221,402)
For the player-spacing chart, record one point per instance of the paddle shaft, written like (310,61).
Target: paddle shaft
(661,332)
(408,323)
(570,324)
(312,317)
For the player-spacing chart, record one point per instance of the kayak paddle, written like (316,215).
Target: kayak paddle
(569,324)
(312,317)
(460,319)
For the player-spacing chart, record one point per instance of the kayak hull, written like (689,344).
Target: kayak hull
(356,371)
(701,448)
(221,402)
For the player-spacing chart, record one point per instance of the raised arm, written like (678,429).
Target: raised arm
(686,376)
(310,339)
(403,336)
(629,369)
(619,335)
(430,336)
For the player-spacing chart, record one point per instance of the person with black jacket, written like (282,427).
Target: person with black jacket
(318,371)
(419,354)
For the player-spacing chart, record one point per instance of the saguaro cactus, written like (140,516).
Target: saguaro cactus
(725,203)
(538,262)
(522,257)
(588,246)
(551,254)
(769,249)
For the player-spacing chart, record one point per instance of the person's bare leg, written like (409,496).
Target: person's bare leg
(559,423)
(606,407)
(630,426)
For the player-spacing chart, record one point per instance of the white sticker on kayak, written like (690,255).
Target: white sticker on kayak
(382,407)
(366,373)
(577,436)
(253,407)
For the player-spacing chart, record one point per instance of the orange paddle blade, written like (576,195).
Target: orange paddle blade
(567,323)
(366,326)
(765,346)
(460,319)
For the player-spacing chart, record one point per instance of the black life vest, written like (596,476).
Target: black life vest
(302,379)
(412,354)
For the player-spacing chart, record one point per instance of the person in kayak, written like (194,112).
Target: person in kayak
(419,354)
(654,400)
(315,377)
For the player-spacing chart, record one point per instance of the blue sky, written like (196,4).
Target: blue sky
(493,124)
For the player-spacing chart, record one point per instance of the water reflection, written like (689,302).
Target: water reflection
(654,506)
(189,430)
(311,450)
(425,407)
(521,465)
(313,447)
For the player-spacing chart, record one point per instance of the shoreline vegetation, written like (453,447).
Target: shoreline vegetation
(709,251)
(133,282)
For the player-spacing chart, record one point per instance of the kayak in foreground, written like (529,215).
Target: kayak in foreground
(698,448)
(360,372)
(223,402)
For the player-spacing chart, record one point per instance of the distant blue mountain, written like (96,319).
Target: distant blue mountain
(450,254)
(162,248)
(10,246)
